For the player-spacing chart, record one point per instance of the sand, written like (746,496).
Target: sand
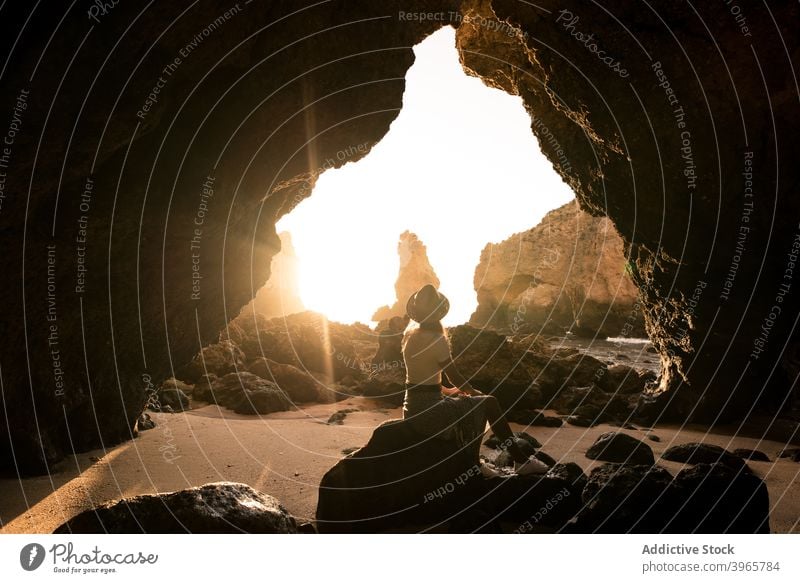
(286,454)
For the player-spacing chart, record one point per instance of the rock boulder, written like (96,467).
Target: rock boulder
(621,448)
(218,508)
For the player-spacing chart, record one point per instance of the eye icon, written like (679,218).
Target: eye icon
(31,556)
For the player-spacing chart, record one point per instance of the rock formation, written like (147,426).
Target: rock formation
(172,150)
(567,273)
(216,508)
(415,272)
(402,482)
(280,296)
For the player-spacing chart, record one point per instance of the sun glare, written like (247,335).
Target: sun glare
(459,167)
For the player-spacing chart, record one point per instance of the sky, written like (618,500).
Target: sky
(459,167)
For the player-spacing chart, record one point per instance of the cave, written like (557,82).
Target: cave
(140,189)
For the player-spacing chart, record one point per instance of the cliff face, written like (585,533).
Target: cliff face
(568,272)
(415,272)
(280,296)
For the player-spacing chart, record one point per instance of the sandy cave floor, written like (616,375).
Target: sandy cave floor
(286,454)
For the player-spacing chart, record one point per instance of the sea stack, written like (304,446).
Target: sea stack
(415,272)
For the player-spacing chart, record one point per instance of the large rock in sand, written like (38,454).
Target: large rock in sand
(704,453)
(715,498)
(621,448)
(625,498)
(401,481)
(707,498)
(218,508)
(300,386)
(249,394)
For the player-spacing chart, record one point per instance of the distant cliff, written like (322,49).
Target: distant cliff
(568,272)
(280,296)
(415,272)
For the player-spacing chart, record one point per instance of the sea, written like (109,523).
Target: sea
(634,352)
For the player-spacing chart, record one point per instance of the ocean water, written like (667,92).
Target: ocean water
(628,351)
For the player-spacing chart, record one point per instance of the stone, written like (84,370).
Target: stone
(626,380)
(338,417)
(202,388)
(298,385)
(595,404)
(545,458)
(715,498)
(220,359)
(249,394)
(305,340)
(386,384)
(176,399)
(145,422)
(705,453)
(415,272)
(579,421)
(625,498)
(403,482)
(557,377)
(584,370)
(572,473)
(385,484)
(390,343)
(751,454)
(488,361)
(621,448)
(567,273)
(217,508)
(261,402)
(570,399)
(175,384)
(504,458)
(791,453)
(494,442)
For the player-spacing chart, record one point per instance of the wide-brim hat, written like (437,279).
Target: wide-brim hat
(427,305)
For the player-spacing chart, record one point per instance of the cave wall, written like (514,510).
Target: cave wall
(132,125)
(685,138)
(263,97)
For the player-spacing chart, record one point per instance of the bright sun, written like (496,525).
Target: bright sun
(459,167)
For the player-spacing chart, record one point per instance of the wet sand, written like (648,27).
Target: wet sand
(286,454)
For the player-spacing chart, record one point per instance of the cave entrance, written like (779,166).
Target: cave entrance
(459,168)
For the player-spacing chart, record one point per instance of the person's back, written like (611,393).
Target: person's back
(424,353)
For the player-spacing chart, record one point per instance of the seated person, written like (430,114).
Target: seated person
(426,352)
